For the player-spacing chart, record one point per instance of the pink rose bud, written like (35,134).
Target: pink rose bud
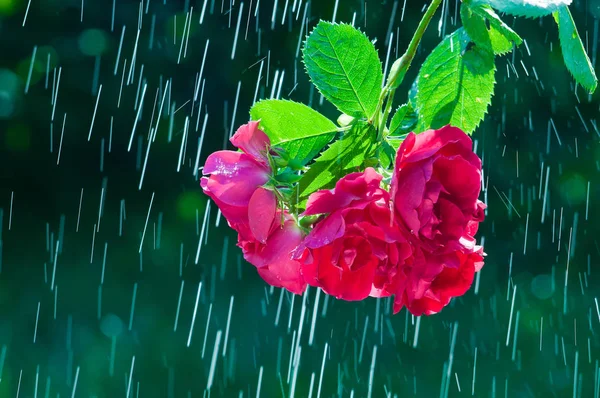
(236,185)
(236,176)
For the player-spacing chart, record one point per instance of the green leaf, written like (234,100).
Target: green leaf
(288,177)
(387,154)
(576,59)
(295,127)
(404,120)
(412,93)
(345,120)
(525,8)
(395,143)
(345,67)
(487,30)
(455,84)
(344,156)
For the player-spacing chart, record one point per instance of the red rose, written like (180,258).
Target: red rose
(435,186)
(357,248)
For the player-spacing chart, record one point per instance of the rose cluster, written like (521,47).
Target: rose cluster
(414,241)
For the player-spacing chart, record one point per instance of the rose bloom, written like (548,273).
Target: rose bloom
(236,185)
(435,186)
(356,249)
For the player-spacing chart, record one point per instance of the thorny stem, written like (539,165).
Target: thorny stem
(400,66)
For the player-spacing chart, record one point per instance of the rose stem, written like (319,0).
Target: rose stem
(401,65)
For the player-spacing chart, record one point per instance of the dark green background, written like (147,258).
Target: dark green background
(512,141)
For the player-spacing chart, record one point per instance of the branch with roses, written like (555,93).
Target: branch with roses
(373,206)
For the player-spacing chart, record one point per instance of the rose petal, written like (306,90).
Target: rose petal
(456,277)
(461,181)
(429,142)
(233,214)
(295,285)
(252,141)
(261,212)
(234,177)
(407,192)
(352,188)
(359,185)
(277,254)
(320,202)
(454,223)
(326,231)
(273,259)
(343,284)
